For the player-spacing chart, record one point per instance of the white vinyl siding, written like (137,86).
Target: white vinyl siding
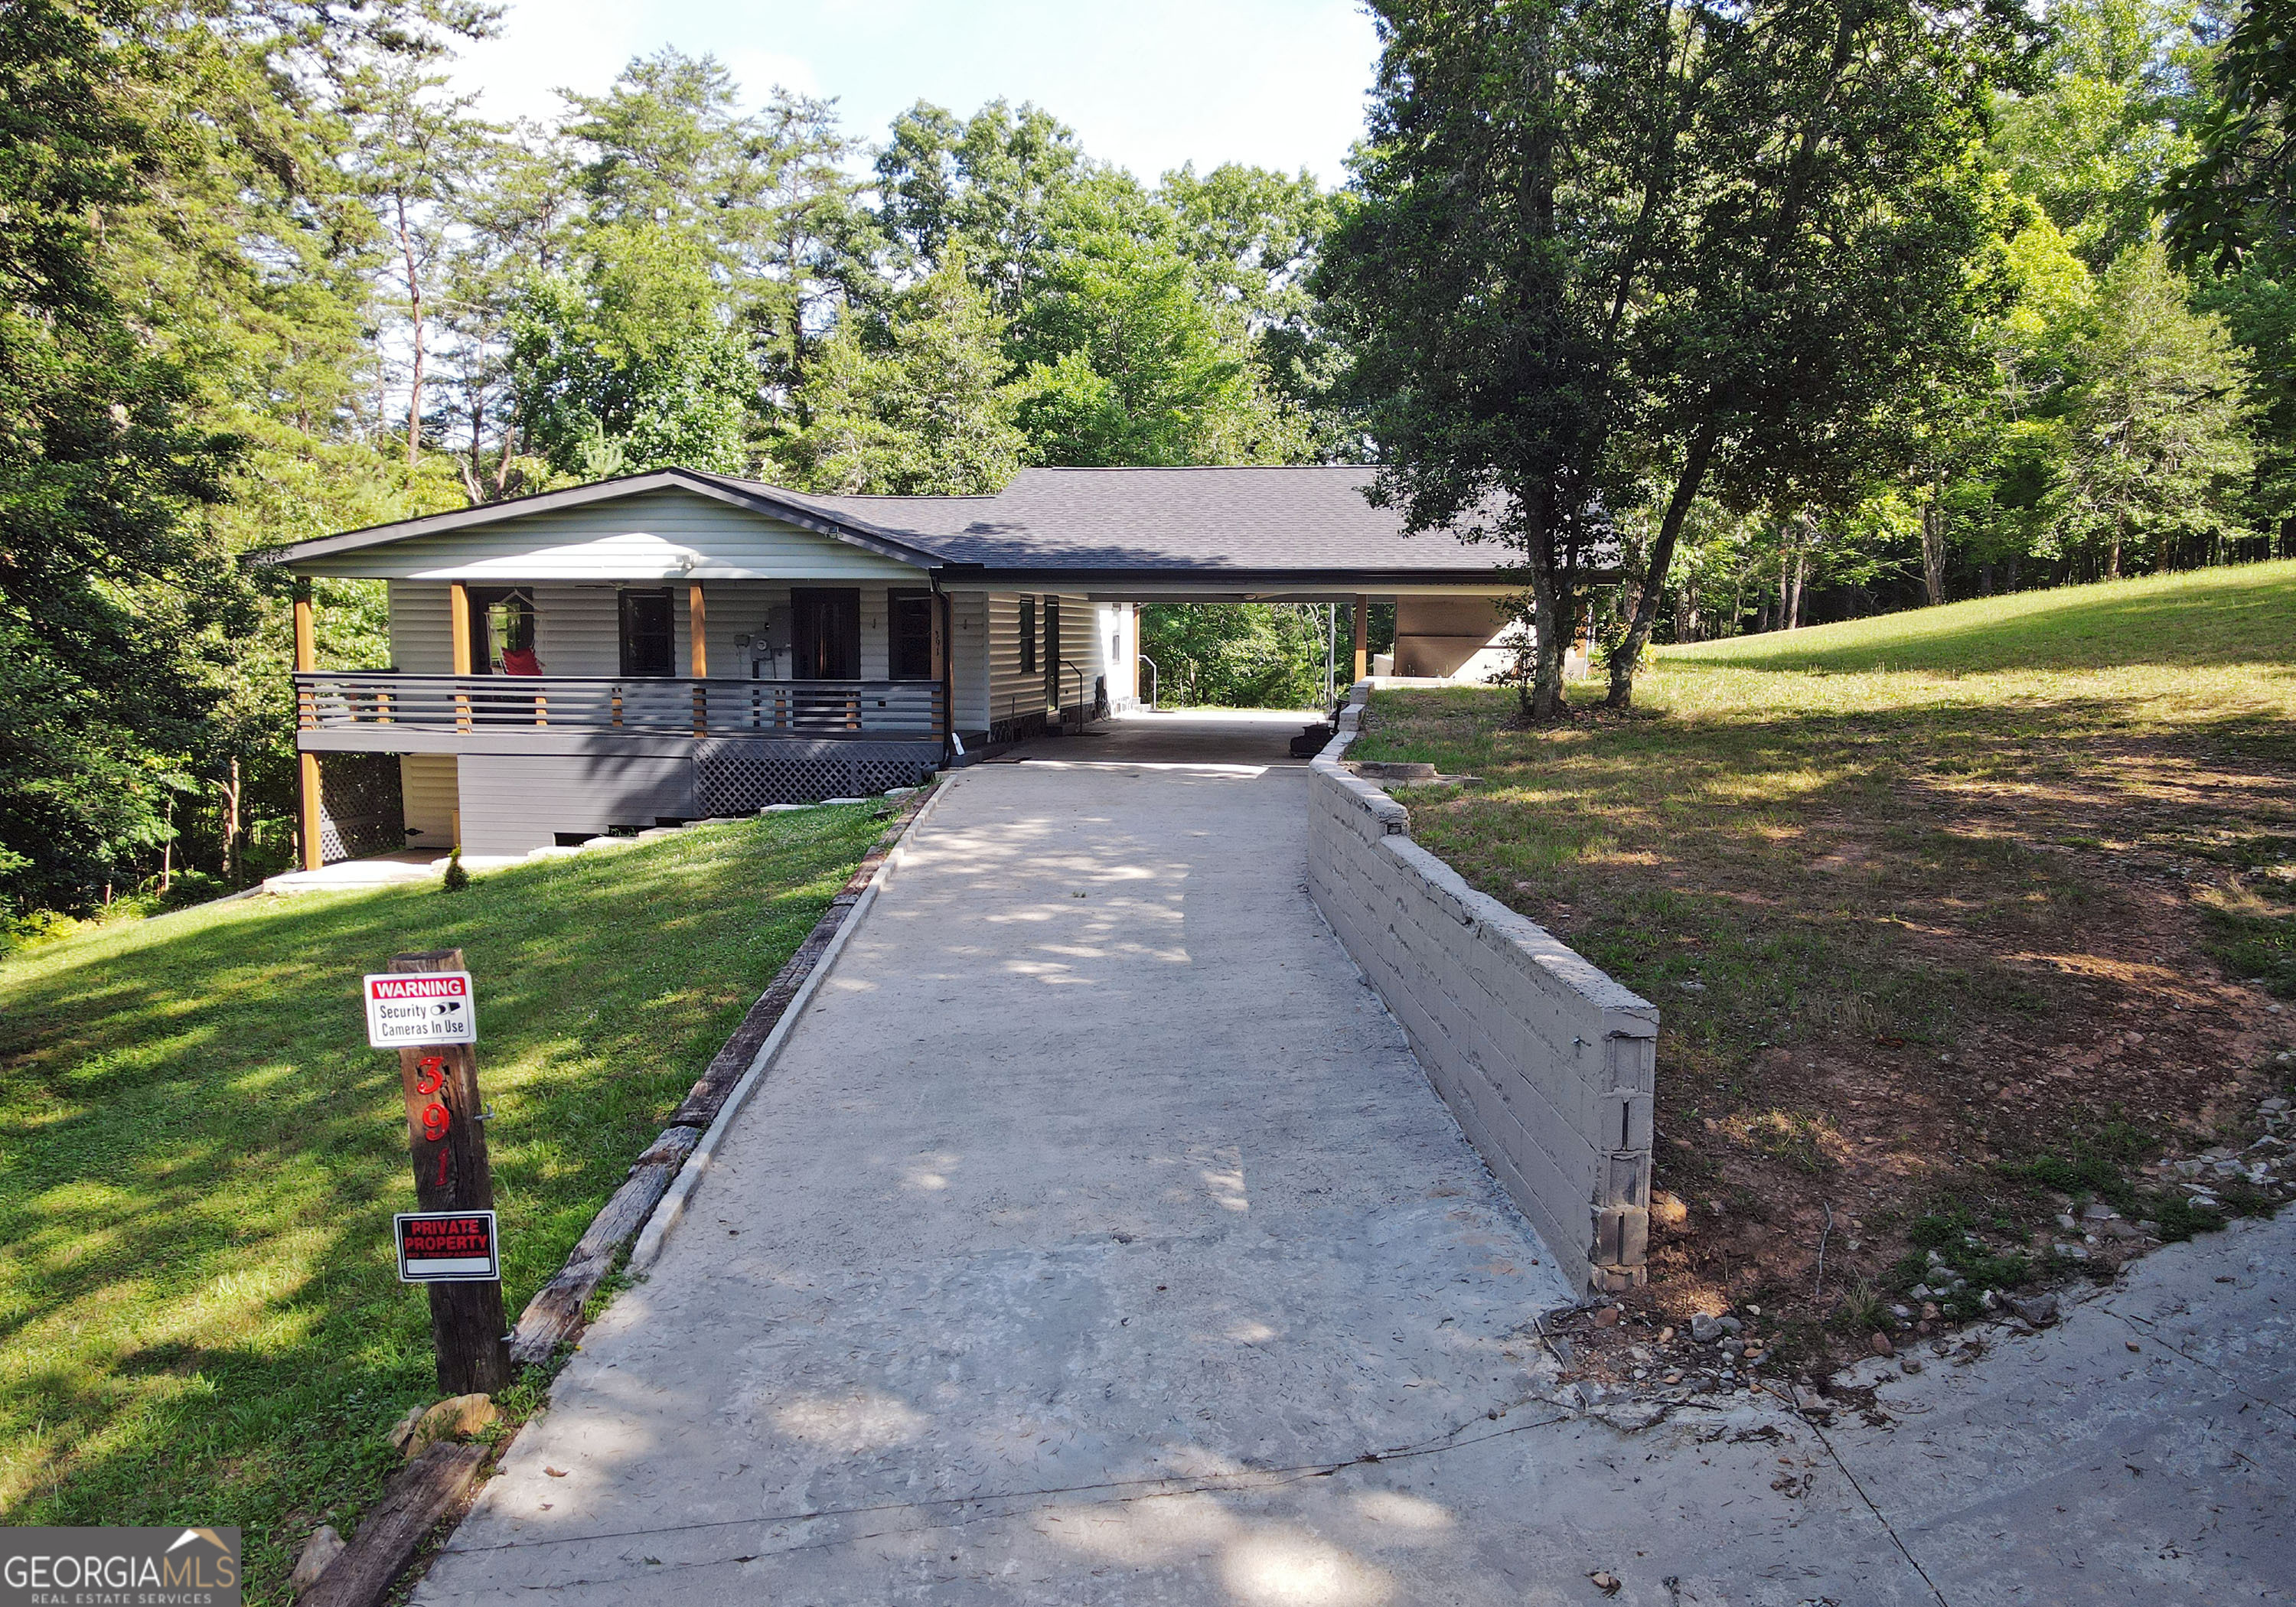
(421,629)
(662,536)
(1011,691)
(1083,630)
(427,784)
(970,659)
(1114,623)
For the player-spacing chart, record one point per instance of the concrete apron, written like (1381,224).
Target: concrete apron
(1111,1249)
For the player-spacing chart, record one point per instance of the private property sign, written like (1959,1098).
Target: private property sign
(405,1009)
(447,1247)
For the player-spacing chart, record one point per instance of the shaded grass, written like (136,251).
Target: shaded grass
(1921,899)
(199,1317)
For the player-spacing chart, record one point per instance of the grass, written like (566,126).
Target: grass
(199,1317)
(1924,899)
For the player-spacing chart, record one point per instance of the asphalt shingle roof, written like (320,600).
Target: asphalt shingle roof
(1261,520)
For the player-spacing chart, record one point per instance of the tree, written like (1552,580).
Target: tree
(1464,279)
(1832,263)
(2238,191)
(1255,237)
(1127,362)
(636,364)
(2094,142)
(991,185)
(418,148)
(1238,655)
(920,410)
(2158,422)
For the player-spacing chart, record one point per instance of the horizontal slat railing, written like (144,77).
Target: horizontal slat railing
(650,705)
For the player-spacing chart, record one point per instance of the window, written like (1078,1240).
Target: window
(826,624)
(649,635)
(502,632)
(1028,635)
(912,627)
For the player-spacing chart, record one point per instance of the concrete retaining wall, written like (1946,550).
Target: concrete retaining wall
(1546,1060)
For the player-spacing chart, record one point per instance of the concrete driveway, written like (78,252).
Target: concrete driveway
(1096,1240)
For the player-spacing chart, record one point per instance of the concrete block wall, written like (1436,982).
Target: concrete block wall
(1546,1060)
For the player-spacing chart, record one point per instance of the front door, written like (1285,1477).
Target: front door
(825,622)
(1051,655)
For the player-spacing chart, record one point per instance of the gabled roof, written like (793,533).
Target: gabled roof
(754,496)
(1255,526)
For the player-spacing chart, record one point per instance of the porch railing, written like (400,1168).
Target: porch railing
(652,705)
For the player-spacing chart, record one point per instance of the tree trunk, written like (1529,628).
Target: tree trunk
(1793,597)
(415,319)
(1985,579)
(1933,552)
(1627,659)
(1553,606)
(2010,582)
(230,787)
(2113,563)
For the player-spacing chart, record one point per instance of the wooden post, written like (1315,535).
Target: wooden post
(451,1174)
(307,659)
(306,636)
(458,605)
(1363,637)
(697,654)
(314,854)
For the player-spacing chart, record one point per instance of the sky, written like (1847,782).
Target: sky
(1146,83)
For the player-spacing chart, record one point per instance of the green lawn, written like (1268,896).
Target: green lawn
(199,1317)
(1915,897)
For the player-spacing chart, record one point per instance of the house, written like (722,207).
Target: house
(674,644)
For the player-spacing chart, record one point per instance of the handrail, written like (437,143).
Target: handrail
(653,704)
(1155,685)
(1083,714)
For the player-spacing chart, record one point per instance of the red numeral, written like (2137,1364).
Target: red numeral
(444,1156)
(435,1122)
(430,1075)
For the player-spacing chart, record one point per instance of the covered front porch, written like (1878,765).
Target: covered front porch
(473,738)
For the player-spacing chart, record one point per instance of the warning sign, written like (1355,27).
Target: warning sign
(447,1247)
(408,1009)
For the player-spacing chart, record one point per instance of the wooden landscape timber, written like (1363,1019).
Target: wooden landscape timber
(425,1490)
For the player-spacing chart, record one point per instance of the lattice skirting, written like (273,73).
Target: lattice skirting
(736,775)
(361,809)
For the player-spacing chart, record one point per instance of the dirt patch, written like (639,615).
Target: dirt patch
(1969,1000)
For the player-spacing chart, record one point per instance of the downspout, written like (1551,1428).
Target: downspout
(951,745)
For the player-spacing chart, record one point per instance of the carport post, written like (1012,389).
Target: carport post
(1363,636)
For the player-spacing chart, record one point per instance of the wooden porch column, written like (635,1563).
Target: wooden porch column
(307,659)
(458,606)
(1363,636)
(697,653)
